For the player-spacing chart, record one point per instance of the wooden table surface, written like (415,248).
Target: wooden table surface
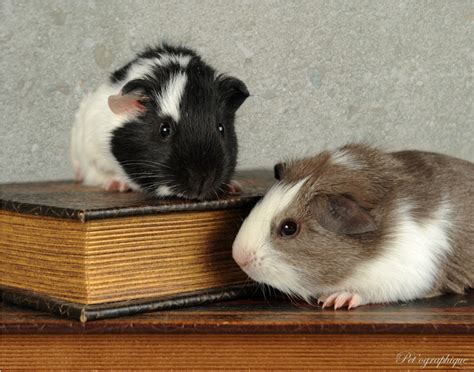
(445,314)
(248,334)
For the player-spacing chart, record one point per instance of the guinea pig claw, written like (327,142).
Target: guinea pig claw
(343,299)
(354,302)
(329,301)
(234,187)
(321,299)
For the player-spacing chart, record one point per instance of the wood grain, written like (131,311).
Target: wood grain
(252,334)
(232,352)
(450,314)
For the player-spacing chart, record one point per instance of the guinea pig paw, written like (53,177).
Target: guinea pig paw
(114,185)
(342,299)
(234,187)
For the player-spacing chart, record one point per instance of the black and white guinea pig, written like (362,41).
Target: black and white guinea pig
(163,124)
(357,225)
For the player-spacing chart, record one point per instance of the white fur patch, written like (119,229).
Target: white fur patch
(345,158)
(410,261)
(145,66)
(164,191)
(253,242)
(169,100)
(90,140)
(94,123)
(139,69)
(180,59)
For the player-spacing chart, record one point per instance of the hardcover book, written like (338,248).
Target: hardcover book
(85,253)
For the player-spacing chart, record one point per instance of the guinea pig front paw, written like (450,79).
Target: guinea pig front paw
(341,299)
(115,185)
(234,187)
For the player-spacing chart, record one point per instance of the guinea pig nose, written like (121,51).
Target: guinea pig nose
(242,258)
(201,186)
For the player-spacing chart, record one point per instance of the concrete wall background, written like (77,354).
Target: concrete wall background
(395,73)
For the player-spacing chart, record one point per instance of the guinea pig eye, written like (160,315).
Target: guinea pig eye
(288,228)
(165,130)
(220,128)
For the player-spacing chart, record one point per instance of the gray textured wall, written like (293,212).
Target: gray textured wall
(395,73)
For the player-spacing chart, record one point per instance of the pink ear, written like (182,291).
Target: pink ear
(126,104)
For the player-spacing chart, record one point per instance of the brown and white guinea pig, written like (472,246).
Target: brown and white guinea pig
(163,123)
(357,226)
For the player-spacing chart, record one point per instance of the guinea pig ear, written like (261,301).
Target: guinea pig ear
(125,104)
(278,170)
(233,92)
(338,213)
(130,99)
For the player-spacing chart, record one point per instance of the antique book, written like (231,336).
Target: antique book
(259,333)
(85,253)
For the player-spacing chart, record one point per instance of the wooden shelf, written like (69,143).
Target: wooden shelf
(248,334)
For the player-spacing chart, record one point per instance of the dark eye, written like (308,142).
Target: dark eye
(288,228)
(220,128)
(165,130)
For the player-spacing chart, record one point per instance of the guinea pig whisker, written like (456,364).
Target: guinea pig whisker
(150,188)
(151,185)
(153,180)
(217,194)
(291,296)
(256,287)
(271,292)
(146,164)
(142,176)
(145,167)
(150,167)
(149,173)
(153,162)
(160,181)
(262,287)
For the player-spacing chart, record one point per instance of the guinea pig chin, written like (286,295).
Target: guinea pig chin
(265,266)
(200,183)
